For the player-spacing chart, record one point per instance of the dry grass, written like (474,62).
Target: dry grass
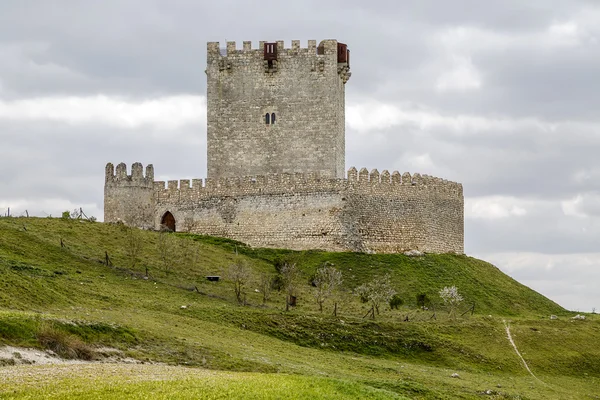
(64,344)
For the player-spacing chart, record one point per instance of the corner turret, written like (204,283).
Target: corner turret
(129,198)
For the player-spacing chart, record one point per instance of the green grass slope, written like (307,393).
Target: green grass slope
(160,382)
(57,292)
(482,283)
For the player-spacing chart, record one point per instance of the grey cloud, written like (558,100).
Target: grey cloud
(140,46)
(552,233)
(565,278)
(523,161)
(67,162)
(147,49)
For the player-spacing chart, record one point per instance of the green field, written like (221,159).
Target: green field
(66,298)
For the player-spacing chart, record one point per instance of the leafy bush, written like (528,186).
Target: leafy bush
(277,283)
(396,302)
(423,301)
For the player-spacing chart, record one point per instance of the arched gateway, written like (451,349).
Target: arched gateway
(168,221)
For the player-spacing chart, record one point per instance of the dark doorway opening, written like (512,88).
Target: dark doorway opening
(168,221)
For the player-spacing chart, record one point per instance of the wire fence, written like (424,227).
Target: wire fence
(78,213)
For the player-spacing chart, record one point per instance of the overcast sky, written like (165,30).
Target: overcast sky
(501,96)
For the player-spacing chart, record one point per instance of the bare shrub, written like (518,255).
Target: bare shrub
(240,275)
(327,280)
(165,248)
(133,245)
(290,276)
(265,285)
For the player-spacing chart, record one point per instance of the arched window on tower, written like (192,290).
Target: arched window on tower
(267,118)
(272,118)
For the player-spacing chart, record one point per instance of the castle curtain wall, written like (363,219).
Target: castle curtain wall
(365,212)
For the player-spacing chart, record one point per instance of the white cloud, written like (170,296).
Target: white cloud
(581,29)
(170,112)
(466,39)
(496,207)
(566,33)
(583,205)
(586,176)
(420,162)
(461,76)
(372,114)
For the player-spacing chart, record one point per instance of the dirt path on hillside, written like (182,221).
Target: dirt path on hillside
(512,343)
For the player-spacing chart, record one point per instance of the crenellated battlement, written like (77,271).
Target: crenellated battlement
(356,181)
(329,55)
(119,176)
(231,48)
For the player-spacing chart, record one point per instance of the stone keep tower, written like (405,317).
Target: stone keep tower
(276,110)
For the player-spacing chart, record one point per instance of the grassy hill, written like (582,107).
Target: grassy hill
(58,291)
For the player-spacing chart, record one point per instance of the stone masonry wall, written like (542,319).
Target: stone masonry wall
(304,89)
(384,212)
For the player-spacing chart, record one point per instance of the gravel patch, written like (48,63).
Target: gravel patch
(10,355)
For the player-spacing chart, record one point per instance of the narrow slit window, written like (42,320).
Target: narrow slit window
(267,118)
(272,118)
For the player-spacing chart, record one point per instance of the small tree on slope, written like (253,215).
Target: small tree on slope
(239,274)
(265,284)
(451,299)
(165,247)
(378,291)
(133,245)
(290,275)
(327,280)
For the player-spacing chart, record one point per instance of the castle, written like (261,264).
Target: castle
(276,160)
